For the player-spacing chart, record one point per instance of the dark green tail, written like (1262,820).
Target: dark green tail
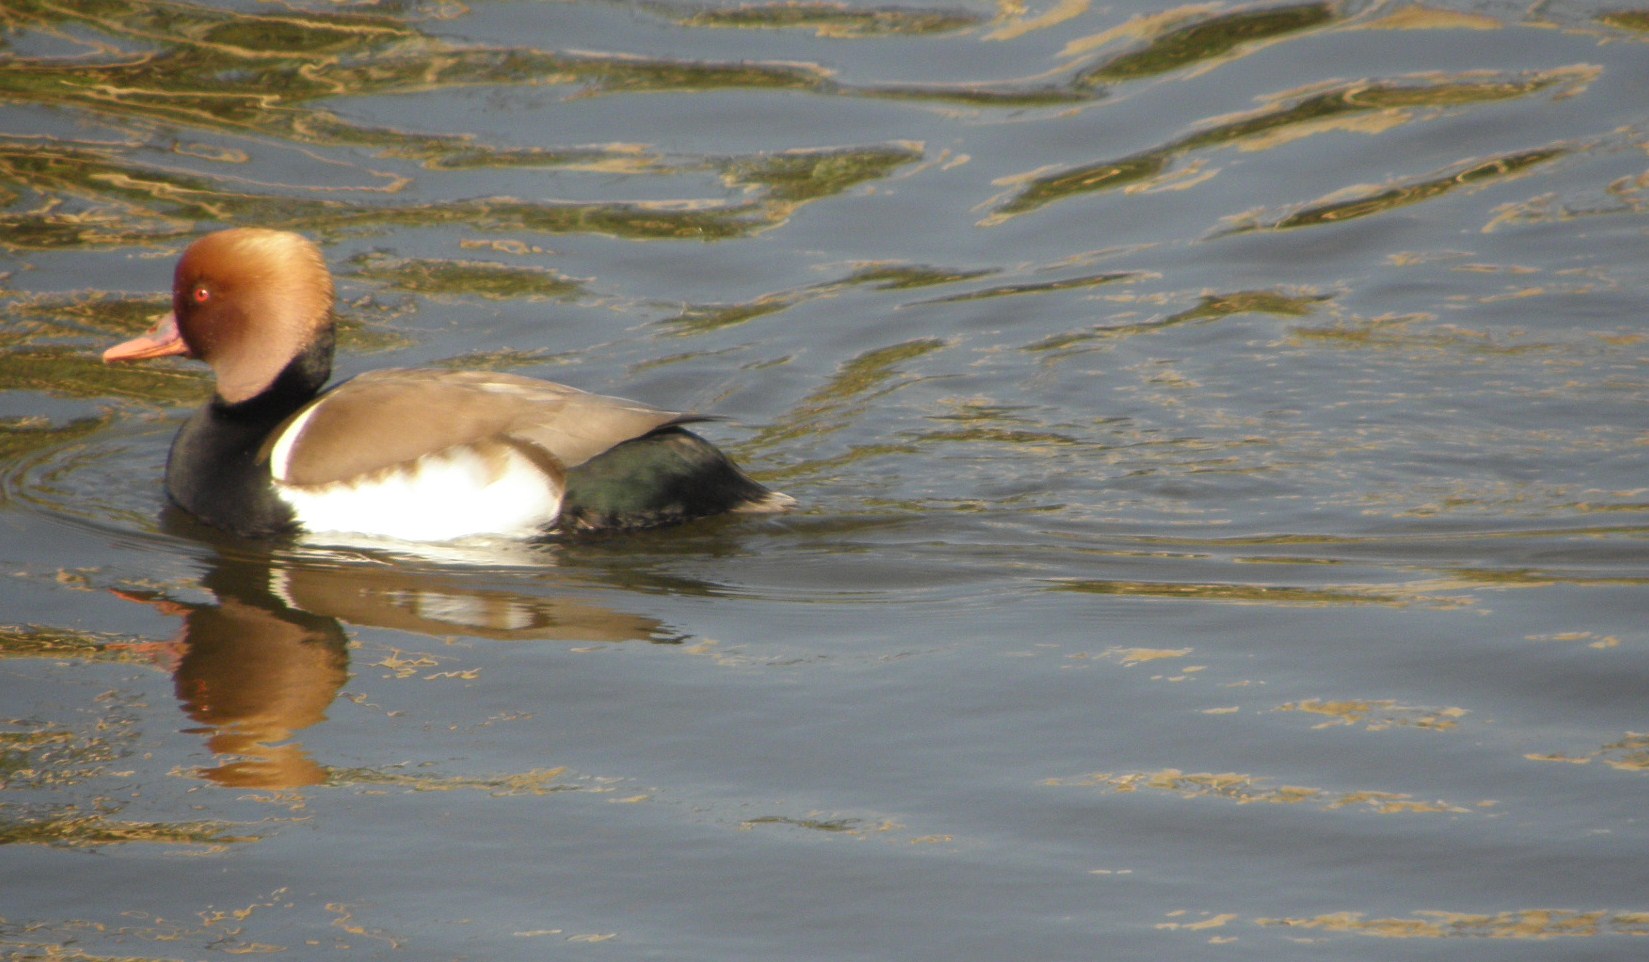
(661,478)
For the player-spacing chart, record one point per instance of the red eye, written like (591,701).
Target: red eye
(202,295)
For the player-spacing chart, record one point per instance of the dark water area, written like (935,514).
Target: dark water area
(1219,431)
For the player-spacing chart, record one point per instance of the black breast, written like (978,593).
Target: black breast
(215,474)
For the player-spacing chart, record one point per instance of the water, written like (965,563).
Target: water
(1219,434)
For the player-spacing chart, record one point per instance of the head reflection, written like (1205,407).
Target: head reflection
(255,675)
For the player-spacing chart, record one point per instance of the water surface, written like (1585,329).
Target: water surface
(1219,432)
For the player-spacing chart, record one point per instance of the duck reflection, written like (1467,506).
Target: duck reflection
(252,671)
(266,658)
(437,604)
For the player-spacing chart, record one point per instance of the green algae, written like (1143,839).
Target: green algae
(1207,39)
(236,75)
(1209,307)
(833,19)
(1342,106)
(853,385)
(472,278)
(1386,199)
(96,830)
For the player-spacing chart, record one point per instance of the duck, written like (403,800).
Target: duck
(409,454)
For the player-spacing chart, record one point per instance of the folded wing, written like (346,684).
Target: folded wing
(406,414)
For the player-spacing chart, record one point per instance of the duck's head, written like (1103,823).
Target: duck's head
(247,301)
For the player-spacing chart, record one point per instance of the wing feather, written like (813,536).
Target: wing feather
(387,418)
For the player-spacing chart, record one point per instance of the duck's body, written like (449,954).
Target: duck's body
(418,455)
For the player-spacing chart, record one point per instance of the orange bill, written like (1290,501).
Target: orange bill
(162,340)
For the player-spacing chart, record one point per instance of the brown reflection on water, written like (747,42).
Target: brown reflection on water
(253,674)
(265,660)
(256,678)
(440,605)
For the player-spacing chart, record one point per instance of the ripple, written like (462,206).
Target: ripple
(98,474)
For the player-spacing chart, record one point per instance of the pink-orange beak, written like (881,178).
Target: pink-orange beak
(162,340)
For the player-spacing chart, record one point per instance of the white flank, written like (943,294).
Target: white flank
(439,497)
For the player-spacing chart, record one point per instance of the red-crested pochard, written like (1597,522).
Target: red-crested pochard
(416,455)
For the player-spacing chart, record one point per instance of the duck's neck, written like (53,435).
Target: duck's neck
(296,385)
(214,470)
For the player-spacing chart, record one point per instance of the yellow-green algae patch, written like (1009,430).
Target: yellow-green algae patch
(45,349)
(44,756)
(872,373)
(1376,714)
(1209,307)
(79,373)
(1627,19)
(1629,754)
(1537,924)
(218,69)
(983,96)
(502,359)
(1086,179)
(1363,105)
(539,781)
(87,831)
(46,641)
(1039,287)
(834,825)
(832,19)
(1405,333)
(143,206)
(795,176)
(1249,789)
(1207,39)
(1308,112)
(902,277)
(1234,593)
(488,280)
(1214,306)
(1128,657)
(242,75)
(702,318)
(1367,203)
(1019,437)
(38,756)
